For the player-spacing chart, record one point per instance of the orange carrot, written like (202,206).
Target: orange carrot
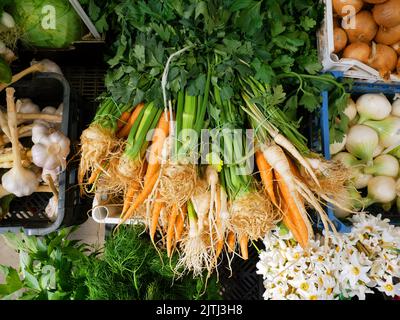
(267,176)
(132,190)
(294,218)
(140,198)
(180,223)
(244,242)
(231,241)
(160,134)
(123,119)
(94,175)
(124,131)
(220,241)
(155,214)
(171,227)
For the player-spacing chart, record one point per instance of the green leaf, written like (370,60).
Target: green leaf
(307,23)
(291,107)
(240,5)
(31,281)
(94,10)
(13,282)
(264,72)
(309,101)
(250,19)
(226,93)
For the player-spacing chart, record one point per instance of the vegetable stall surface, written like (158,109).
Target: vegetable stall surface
(202,63)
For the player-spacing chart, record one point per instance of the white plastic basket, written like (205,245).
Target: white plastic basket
(106,213)
(331,62)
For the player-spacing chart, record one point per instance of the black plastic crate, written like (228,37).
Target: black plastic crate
(27,213)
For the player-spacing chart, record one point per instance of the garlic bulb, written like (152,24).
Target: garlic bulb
(27,106)
(51,152)
(52,209)
(40,130)
(49,110)
(54,174)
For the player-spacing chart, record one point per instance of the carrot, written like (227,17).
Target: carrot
(244,242)
(94,175)
(180,223)
(294,219)
(132,190)
(231,241)
(160,134)
(220,242)
(171,227)
(140,198)
(267,175)
(155,214)
(124,131)
(123,119)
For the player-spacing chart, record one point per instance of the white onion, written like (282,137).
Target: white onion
(362,142)
(378,150)
(351,110)
(381,190)
(384,165)
(351,200)
(336,147)
(388,129)
(396,107)
(360,179)
(347,159)
(373,106)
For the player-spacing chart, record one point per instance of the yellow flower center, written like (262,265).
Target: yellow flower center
(305,286)
(329,290)
(355,271)
(337,249)
(320,280)
(296,255)
(313,297)
(369,228)
(321,259)
(389,287)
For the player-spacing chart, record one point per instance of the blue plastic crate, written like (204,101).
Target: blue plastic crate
(358,88)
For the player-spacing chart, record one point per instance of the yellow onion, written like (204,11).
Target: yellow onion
(387,14)
(340,39)
(396,47)
(384,59)
(361,28)
(359,51)
(341,6)
(388,36)
(375,1)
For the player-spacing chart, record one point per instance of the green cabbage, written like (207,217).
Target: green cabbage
(47,23)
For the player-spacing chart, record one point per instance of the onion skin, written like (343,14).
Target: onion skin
(387,14)
(396,47)
(388,36)
(359,51)
(383,59)
(338,6)
(375,1)
(365,28)
(398,66)
(340,39)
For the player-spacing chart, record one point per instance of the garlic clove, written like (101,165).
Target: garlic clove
(49,110)
(39,132)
